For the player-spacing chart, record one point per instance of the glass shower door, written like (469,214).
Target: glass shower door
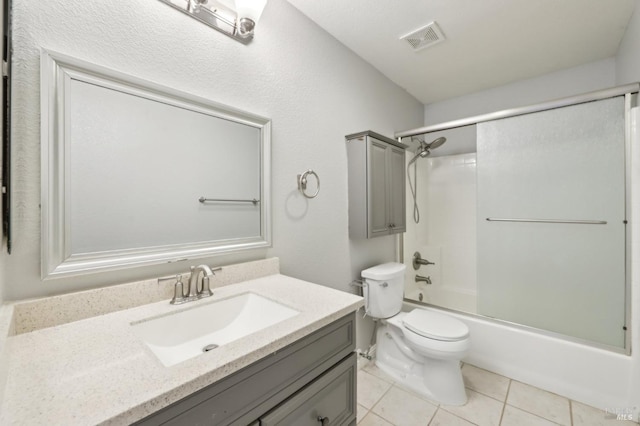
(551,220)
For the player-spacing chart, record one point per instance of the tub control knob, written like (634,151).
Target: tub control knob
(418,260)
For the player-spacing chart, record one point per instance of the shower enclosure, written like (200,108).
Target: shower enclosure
(523,217)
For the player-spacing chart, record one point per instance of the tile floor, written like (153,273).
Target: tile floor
(493,400)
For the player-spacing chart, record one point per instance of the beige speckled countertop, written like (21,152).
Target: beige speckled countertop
(96,371)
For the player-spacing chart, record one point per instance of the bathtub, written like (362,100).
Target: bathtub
(586,374)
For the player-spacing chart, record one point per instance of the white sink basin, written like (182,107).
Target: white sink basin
(179,336)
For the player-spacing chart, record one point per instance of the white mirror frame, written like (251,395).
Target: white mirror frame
(57,73)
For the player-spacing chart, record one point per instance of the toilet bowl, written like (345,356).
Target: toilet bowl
(420,349)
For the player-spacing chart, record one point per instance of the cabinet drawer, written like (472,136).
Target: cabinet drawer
(332,396)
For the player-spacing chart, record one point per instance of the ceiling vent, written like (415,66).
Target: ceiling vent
(424,37)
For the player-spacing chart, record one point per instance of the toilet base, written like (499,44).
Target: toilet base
(439,380)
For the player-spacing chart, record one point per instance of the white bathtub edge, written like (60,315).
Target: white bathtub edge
(592,376)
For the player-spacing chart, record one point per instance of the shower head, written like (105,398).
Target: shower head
(425,148)
(437,143)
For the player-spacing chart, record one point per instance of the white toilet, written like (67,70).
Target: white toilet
(420,349)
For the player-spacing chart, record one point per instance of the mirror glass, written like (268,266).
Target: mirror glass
(138,174)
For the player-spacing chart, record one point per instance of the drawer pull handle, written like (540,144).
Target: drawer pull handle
(324,421)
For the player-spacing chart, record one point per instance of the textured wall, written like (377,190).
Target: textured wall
(314,89)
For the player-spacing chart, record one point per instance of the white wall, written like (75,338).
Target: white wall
(446,233)
(314,89)
(586,78)
(628,60)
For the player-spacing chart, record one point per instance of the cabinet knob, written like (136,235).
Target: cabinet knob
(324,421)
(392,225)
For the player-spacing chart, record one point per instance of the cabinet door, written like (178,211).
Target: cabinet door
(331,397)
(396,188)
(377,192)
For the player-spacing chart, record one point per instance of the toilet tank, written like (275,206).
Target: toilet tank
(384,289)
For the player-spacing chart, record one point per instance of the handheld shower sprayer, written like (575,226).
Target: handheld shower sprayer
(424,149)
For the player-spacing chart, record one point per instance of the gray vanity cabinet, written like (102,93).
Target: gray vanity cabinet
(376,185)
(310,380)
(329,400)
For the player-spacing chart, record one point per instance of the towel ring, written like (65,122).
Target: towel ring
(302,183)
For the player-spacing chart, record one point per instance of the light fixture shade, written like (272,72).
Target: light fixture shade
(251,9)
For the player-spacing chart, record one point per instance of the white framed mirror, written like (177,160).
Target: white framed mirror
(134,173)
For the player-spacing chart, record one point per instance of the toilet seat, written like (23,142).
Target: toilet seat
(430,347)
(435,326)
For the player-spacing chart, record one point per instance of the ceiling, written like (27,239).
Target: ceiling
(487,43)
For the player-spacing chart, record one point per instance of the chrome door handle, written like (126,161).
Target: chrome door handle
(324,421)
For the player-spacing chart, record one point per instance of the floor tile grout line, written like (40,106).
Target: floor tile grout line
(388,380)
(571,412)
(398,386)
(455,415)
(438,406)
(378,401)
(379,416)
(484,394)
(365,414)
(434,416)
(504,404)
(410,393)
(537,415)
(417,395)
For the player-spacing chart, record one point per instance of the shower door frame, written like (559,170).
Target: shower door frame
(630,93)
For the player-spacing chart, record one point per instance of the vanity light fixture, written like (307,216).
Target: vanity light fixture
(237,19)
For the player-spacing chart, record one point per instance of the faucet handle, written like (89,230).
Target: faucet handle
(418,260)
(178,292)
(206,290)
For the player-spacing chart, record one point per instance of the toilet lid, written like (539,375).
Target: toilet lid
(435,326)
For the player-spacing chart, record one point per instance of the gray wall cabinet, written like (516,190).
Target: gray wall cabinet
(311,380)
(376,185)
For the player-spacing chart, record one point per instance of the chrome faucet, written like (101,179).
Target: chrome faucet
(195,291)
(424,279)
(196,288)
